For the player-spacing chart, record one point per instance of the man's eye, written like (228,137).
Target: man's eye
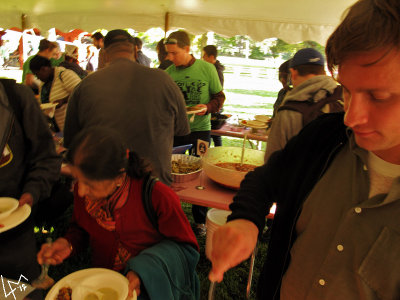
(380,96)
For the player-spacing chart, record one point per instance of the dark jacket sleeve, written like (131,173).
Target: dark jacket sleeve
(43,163)
(71,125)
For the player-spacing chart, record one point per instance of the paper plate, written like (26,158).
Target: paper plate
(262,118)
(47,105)
(253,124)
(89,277)
(17,217)
(195,111)
(7,206)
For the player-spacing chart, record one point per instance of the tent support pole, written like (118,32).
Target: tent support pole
(166,23)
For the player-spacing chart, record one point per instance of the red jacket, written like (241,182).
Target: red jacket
(133,228)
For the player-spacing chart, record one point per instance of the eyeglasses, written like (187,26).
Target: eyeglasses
(170,41)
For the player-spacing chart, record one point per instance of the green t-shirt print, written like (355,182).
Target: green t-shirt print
(197,83)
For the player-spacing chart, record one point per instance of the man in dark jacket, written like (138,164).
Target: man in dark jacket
(210,53)
(29,166)
(336,229)
(313,93)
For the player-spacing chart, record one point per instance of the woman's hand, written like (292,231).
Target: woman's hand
(54,253)
(134,283)
(232,243)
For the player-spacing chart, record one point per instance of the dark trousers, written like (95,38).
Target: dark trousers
(217,140)
(199,212)
(18,255)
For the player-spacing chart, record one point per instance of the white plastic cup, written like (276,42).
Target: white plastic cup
(215,219)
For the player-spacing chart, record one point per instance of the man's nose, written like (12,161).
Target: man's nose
(356,110)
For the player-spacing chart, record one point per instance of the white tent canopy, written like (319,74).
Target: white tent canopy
(290,20)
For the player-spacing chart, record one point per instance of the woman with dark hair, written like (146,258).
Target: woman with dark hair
(109,214)
(162,55)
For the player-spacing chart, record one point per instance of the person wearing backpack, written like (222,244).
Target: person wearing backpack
(313,94)
(131,228)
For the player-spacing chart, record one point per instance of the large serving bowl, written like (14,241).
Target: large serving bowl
(227,177)
(218,120)
(188,162)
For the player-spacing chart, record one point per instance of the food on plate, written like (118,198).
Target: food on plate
(254,123)
(108,294)
(64,293)
(236,166)
(180,167)
(262,118)
(191,108)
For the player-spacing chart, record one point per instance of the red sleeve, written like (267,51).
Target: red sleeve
(76,235)
(216,102)
(172,221)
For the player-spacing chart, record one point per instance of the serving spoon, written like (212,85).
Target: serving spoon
(243,147)
(44,281)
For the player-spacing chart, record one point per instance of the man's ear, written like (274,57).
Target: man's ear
(294,73)
(187,49)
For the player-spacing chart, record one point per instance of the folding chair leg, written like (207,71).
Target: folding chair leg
(252,259)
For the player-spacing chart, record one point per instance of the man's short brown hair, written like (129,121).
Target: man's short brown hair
(180,38)
(46,44)
(304,70)
(368,25)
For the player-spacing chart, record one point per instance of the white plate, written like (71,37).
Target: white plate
(262,118)
(74,279)
(7,206)
(17,217)
(47,105)
(195,111)
(254,124)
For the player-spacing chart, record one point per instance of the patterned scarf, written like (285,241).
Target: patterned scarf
(103,212)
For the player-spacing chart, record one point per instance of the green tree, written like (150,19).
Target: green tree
(286,51)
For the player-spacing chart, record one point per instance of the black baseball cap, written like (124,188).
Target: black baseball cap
(117,36)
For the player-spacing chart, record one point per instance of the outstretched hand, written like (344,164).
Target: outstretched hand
(54,253)
(232,243)
(134,283)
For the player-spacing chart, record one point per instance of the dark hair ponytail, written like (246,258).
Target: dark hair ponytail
(136,166)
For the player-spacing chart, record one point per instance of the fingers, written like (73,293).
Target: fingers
(45,254)
(134,283)
(55,253)
(26,198)
(231,244)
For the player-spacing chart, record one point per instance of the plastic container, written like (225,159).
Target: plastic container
(215,219)
(186,159)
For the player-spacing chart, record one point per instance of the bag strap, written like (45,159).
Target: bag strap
(59,76)
(311,110)
(147,190)
(15,104)
(16,108)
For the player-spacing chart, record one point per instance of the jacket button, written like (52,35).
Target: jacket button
(321,282)
(358,210)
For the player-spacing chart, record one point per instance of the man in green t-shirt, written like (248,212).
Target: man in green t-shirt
(46,49)
(202,90)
